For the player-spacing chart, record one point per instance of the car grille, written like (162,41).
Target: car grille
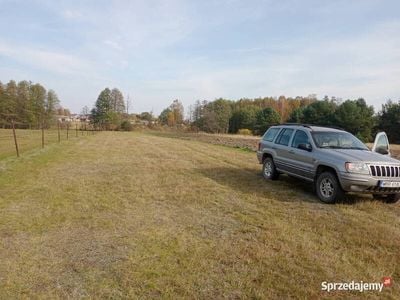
(385,171)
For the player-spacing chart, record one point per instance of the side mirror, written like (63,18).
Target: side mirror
(382,150)
(306,147)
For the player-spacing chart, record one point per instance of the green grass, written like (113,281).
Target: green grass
(133,215)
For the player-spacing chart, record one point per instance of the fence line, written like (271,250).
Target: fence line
(17,140)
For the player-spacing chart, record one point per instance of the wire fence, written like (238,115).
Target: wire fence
(14,141)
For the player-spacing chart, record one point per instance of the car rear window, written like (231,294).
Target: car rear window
(271,134)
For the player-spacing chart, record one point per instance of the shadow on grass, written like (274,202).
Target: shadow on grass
(286,189)
(251,181)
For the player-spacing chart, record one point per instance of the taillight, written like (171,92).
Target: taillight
(259,146)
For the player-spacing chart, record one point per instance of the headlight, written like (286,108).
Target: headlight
(359,167)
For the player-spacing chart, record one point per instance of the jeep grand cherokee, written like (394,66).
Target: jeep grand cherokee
(334,160)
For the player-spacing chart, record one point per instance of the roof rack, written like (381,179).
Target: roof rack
(309,126)
(297,124)
(335,127)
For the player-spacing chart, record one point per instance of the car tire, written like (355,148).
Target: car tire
(328,188)
(391,198)
(269,170)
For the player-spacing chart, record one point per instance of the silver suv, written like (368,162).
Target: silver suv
(334,160)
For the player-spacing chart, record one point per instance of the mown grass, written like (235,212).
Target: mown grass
(132,215)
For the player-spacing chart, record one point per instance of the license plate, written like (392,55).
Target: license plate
(392,184)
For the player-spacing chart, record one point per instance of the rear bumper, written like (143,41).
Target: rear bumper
(365,184)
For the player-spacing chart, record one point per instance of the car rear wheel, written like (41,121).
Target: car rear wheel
(328,188)
(269,170)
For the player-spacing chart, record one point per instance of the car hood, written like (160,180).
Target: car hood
(362,155)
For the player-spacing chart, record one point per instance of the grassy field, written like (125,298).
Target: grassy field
(134,215)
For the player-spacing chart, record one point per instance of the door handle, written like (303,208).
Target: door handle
(291,151)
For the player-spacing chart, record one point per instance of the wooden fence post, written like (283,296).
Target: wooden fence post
(76,129)
(42,135)
(58,128)
(15,137)
(67,130)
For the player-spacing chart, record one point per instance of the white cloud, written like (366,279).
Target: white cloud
(365,65)
(113,44)
(72,14)
(55,62)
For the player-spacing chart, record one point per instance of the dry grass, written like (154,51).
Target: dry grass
(127,215)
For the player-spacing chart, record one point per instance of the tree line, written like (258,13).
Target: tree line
(30,105)
(257,115)
(27,104)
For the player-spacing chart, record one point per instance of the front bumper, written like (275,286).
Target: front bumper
(366,184)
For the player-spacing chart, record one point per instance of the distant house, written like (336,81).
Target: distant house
(84,118)
(142,122)
(64,119)
(74,118)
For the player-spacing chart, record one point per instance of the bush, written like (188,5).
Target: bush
(126,126)
(245,131)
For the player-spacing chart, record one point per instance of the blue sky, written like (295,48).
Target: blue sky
(158,51)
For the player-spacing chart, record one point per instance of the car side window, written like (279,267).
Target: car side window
(300,137)
(284,137)
(270,134)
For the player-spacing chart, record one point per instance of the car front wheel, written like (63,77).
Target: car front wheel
(328,188)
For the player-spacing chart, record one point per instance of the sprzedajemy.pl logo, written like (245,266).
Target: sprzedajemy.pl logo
(360,286)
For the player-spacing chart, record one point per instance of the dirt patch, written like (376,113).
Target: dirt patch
(230,140)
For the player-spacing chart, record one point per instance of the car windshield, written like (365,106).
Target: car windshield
(337,140)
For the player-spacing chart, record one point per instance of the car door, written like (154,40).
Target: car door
(281,147)
(381,144)
(300,157)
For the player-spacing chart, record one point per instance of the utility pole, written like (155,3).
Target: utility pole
(128,104)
